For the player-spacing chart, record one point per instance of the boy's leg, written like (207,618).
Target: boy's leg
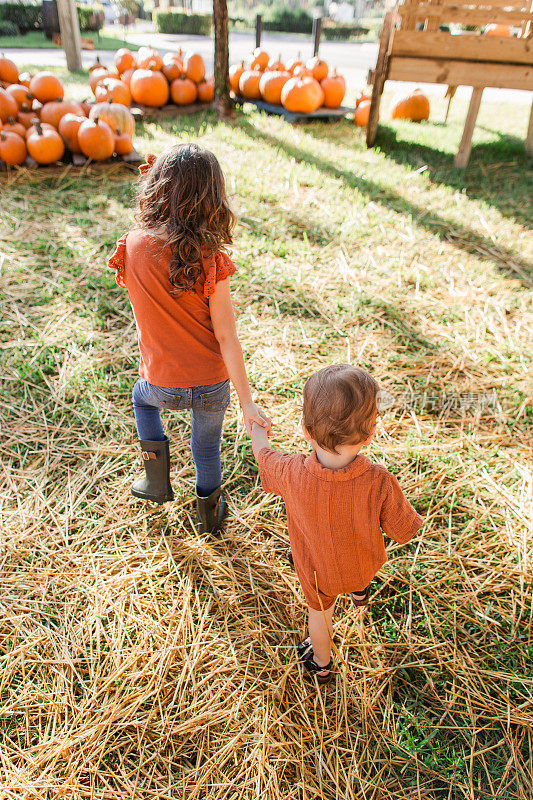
(320,633)
(147,416)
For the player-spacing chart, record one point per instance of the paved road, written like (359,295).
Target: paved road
(353,60)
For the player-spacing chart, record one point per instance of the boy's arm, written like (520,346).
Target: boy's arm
(259,439)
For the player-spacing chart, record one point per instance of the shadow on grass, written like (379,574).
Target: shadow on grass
(498,172)
(459,235)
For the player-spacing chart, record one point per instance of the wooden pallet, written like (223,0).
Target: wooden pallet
(321,114)
(79,160)
(170,110)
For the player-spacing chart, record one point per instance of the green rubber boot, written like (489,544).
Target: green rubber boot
(210,511)
(155,484)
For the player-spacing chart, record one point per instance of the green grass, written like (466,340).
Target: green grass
(137,655)
(38,40)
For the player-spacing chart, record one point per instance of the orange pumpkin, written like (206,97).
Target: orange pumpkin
(276,64)
(334,88)
(33,127)
(361,113)
(249,84)
(302,95)
(123,144)
(97,65)
(21,93)
(292,63)
(124,59)
(8,105)
(177,57)
(172,68)
(319,69)
(45,145)
(24,79)
(301,71)
(260,59)
(45,87)
(148,58)
(271,85)
(69,126)
(118,117)
(150,88)
(194,67)
(235,72)
(52,112)
(414,106)
(12,148)
(26,116)
(8,70)
(361,97)
(183,91)
(113,90)
(97,75)
(126,77)
(495,29)
(12,126)
(96,139)
(206,91)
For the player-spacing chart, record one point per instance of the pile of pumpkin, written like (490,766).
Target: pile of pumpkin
(299,87)
(152,80)
(413,106)
(35,120)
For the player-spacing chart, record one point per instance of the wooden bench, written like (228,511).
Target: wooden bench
(414,47)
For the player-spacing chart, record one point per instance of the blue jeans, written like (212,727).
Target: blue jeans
(208,405)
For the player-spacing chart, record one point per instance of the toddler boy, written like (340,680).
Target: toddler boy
(338,502)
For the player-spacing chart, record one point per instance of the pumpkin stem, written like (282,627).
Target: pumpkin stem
(11,120)
(38,127)
(25,107)
(2,136)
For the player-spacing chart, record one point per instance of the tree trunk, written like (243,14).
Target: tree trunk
(223,103)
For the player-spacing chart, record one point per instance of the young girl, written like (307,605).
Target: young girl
(177,276)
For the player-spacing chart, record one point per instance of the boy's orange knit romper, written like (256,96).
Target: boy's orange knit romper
(335,520)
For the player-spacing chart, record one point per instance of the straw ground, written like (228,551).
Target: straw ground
(139,660)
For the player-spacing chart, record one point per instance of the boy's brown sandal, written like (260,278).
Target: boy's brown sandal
(155,483)
(361,601)
(210,512)
(307,657)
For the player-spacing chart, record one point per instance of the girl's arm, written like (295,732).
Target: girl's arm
(223,319)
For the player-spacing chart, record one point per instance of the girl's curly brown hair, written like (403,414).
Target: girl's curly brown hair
(184,194)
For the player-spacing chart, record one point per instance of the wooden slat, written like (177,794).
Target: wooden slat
(468,47)
(461,73)
(467,16)
(490,5)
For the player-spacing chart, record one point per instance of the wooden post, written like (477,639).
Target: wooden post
(317,29)
(258,30)
(380,76)
(69,26)
(529,136)
(223,104)
(463,154)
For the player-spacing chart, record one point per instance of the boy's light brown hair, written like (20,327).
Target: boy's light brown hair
(340,406)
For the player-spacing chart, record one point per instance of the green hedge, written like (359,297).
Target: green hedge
(343,32)
(8,28)
(178,22)
(89,20)
(282,19)
(26,17)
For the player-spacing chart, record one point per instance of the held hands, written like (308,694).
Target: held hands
(253,415)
